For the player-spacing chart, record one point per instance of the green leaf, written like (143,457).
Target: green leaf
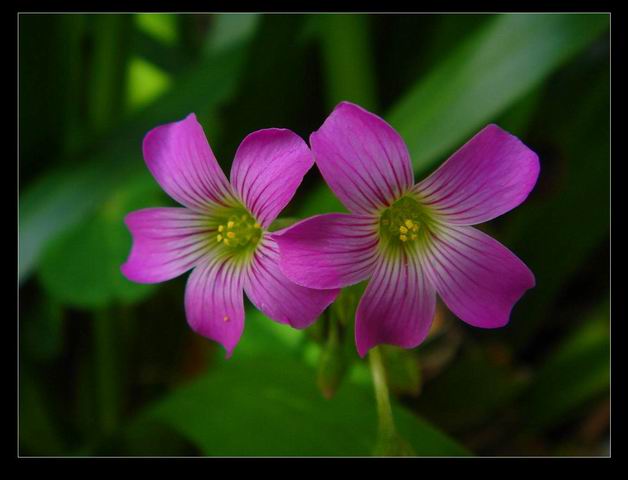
(82,266)
(56,201)
(148,438)
(271,406)
(162,27)
(145,83)
(478,80)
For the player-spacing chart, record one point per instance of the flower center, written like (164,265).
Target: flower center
(403,222)
(238,231)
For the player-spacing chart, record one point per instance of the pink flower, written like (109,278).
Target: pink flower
(221,233)
(412,240)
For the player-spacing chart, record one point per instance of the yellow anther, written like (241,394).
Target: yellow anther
(226,241)
(257,225)
(230,224)
(403,229)
(230,234)
(403,238)
(415,228)
(413,236)
(409,223)
(221,228)
(219,238)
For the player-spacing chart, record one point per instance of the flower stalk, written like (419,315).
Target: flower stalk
(389,442)
(382,396)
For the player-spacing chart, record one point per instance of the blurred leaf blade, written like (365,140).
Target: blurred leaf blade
(54,202)
(477,81)
(81,267)
(288,414)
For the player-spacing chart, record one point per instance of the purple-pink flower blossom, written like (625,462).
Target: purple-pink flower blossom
(412,240)
(222,231)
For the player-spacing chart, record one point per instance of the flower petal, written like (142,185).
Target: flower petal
(279,298)
(398,304)
(362,158)
(180,159)
(269,166)
(478,278)
(214,302)
(166,243)
(488,176)
(329,251)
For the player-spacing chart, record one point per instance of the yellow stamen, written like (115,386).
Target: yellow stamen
(403,229)
(415,228)
(413,236)
(226,241)
(221,228)
(409,223)
(219,238)
(403,238)
(230,224)
(230,234)
(257,225)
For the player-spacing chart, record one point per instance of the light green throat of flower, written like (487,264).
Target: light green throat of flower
(237,232)
(405,224)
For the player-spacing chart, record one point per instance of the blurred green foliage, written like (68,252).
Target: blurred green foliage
(110,367)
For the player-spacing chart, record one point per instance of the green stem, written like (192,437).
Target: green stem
(389,442)
(382,397)
(348,66)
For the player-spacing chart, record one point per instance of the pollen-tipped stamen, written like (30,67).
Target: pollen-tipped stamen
(239,231)
(401,223)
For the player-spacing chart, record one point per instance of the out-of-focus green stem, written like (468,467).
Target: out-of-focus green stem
(382,397)
(106,371)
(347,60)
(111,35)
(389,442)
